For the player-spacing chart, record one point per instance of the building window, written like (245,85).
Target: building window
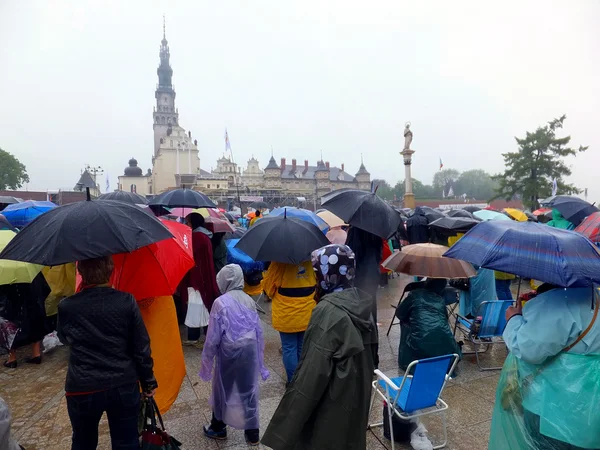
(208,186)
(133,188)
(156,119)
(162,120)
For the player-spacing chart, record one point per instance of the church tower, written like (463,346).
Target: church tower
(165,115)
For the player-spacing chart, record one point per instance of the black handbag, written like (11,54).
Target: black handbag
(153,436)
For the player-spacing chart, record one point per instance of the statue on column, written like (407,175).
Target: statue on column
(408,136)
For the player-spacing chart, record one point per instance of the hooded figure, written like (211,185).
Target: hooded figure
(425,331)
(6,442)
(558,221)
(235,339)
(326,405)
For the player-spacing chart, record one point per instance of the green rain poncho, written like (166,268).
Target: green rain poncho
(547,399)
(558,221)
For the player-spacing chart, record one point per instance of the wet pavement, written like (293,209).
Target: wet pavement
(40,420)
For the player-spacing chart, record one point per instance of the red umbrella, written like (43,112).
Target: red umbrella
(590,227)
(540,211)
(157,269)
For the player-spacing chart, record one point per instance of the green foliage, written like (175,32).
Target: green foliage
(476,183)
(12,172)
(442,178)
(539,159)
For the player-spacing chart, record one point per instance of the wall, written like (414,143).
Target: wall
(141,184)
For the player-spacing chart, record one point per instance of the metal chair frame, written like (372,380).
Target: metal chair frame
(440,406)
(485,340)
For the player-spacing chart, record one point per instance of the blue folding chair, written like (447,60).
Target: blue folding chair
(416,395)
(493,322)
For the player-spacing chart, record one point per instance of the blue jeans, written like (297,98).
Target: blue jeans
(503,289)
(122,406)
(291,344)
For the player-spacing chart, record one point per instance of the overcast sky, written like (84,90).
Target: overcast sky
(78,79)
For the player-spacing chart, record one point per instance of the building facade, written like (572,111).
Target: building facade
(176,162)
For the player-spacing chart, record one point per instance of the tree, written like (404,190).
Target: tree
(539,160)
(442,178)
(384,190)
(12,172)
(476,183)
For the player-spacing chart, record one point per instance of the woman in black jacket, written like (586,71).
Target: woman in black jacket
(109,360)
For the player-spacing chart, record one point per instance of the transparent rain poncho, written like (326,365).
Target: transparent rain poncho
(547,399)
(235,341)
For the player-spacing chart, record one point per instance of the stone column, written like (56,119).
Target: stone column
(409,197)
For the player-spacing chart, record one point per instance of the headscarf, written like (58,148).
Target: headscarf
(335,267)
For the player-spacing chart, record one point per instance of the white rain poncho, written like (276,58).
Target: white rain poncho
(235,340)
(547,399)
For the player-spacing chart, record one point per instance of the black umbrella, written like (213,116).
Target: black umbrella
(237,234)
(430,213)
(455,224)
(5,224)
(531,217)
(125,196)
(364,210)
(574,209)
(182,198)
(472,208)
(9,200)
(259,205)
(84,230)
(460,213)
(282,239)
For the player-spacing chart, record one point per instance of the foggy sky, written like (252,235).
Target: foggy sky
(78,79)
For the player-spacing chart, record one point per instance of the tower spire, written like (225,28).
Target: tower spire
(164,28)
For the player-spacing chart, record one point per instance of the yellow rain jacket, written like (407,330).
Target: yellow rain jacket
(160,318)
(504,276)
(253,290)
(292,289)
(61,280)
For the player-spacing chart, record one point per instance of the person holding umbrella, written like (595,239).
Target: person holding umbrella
(326,405)
(201,279)
(109,358)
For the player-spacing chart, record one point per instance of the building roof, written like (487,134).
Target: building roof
(362,170)
(272,164)
(85,181)
(203,174)
(133,170)
(335,173)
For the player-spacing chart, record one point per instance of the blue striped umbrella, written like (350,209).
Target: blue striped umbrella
(531,250)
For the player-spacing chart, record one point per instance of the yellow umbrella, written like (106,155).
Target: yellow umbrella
(519,216)
(13,271)
(331,219)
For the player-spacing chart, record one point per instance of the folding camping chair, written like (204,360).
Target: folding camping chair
(492,326)
(409,287)
(417,395)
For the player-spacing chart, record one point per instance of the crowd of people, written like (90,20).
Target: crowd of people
(325,310)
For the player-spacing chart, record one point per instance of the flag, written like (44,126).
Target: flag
(444,193)
(554,187)
(441,164)
(107,184)
(227,143)
(450,192)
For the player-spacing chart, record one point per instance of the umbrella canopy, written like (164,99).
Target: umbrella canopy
(236,234)
(12,272)
(531,217)
(455,224)
(364,210)
(331,219)
(157,269)
(282,239)
(215,220)
(237,256)
(427,260)
(516,214)
(531,250)
(472,208)
(5,224)
(182,198)
(302,214)
(85,230)
(486,214)
(21,214)
(8,200)
(461,213)
(430,213)
(541,211)
(125,196)
(590,227)
(574,209)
